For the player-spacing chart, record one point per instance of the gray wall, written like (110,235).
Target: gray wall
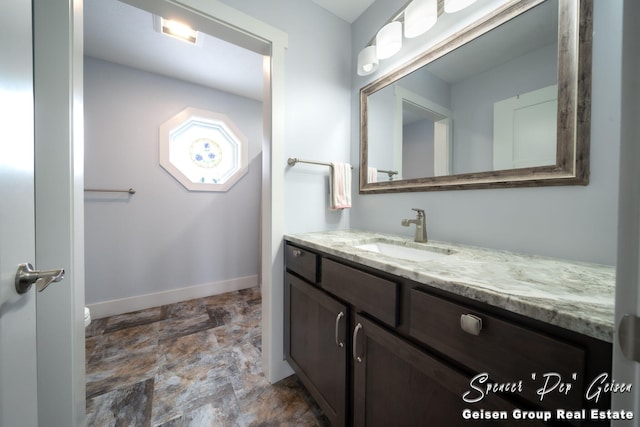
(317,105)
(163,237)
(574,222)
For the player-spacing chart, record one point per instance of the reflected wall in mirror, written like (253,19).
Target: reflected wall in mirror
(503,103)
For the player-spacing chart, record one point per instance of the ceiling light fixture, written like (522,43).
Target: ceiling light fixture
(419,17)
(177,29)
(389,40)
(451,6)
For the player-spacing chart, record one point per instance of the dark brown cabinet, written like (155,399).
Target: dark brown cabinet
(397,384)
(378,350)
(315,345)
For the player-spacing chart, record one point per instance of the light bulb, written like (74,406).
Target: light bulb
(419,17)
(367,61)
(389,40)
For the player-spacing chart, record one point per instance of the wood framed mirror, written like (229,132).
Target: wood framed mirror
(506,102)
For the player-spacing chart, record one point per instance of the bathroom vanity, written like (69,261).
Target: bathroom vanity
(384,331)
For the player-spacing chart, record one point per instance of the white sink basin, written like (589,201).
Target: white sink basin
(410,253)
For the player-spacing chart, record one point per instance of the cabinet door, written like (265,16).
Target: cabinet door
(315,340)
(397,384)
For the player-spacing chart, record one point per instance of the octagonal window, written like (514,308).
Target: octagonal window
(203,150)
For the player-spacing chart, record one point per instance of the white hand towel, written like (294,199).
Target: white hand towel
(372,175)
(340,186)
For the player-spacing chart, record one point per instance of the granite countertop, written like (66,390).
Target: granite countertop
(573,295)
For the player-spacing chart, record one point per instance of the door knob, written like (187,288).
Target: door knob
(27,276)
(629,336)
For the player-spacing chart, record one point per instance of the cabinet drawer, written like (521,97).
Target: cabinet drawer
(302,262)
(369,293)
(507,352)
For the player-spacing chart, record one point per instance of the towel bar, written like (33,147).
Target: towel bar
(390,173)
(293,160)
(107,190)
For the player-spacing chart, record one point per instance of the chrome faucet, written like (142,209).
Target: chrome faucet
(421,226)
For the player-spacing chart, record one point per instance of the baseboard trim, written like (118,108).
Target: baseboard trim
(141,302)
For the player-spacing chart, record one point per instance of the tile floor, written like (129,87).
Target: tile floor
(195,363)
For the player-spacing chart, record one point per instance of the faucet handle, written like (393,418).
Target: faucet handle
(420,211)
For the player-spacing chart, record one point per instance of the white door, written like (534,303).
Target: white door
(524,129)
(18,380)
(627,369)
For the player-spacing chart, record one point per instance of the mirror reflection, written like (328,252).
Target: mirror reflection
(489,105)
(502,103)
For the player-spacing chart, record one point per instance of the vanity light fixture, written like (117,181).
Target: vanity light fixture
(367,61)
(451,6)
(419,17)
(176,29)
(389,40)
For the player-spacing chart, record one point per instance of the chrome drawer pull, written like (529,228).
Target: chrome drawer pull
(338,342)
(355,340)
(297,253)
(471,324)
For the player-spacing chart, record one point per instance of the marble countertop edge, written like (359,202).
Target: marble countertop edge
(573,295)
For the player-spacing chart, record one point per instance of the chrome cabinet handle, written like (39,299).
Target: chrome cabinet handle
(338,342)
(27,276)
(355,340)
(471,324)
(296,253)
